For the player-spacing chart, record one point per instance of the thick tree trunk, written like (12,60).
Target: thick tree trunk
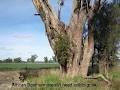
(88,53)
(70,56)
(75,35)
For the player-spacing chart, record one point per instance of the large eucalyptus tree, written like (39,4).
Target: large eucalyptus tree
(67,40)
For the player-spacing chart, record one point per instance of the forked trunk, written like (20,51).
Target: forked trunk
(66,40)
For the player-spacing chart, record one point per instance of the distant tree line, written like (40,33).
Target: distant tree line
(31,59)
(10,60)
(19,59)
(51,60)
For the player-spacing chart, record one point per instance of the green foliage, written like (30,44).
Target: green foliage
(46,59)
(51,60)
(62,49)
(1,61)
(32,58)
(106,37)
(8,60)
(17,60)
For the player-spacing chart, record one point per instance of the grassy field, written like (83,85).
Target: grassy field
(54,77)
(19,66)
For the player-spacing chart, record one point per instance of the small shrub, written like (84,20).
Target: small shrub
(62,49)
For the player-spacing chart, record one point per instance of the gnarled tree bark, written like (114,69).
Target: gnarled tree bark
(73,64)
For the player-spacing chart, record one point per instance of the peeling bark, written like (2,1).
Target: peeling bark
(87,55)
(55,28)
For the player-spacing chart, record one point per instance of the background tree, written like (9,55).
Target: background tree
(32,58)
(8,60)
(54,59)
(102,36)
(1,61)
(51,60)
(106,38)
(46,59)
(17,60)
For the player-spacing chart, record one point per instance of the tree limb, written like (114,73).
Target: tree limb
(47,14)
(53,25)
(44,9)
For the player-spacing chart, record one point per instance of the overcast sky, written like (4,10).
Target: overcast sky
(23,34)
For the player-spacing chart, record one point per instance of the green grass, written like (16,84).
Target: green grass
(57,78)
(54,76)
(115,76)
(19,66)
(65,81)
(115,72)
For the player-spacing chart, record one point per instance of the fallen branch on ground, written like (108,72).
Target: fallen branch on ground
(100,76)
